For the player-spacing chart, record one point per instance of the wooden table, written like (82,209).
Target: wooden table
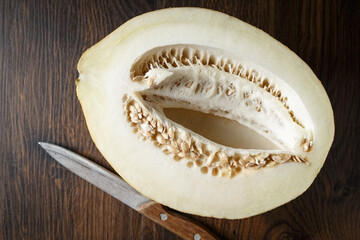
(40,44)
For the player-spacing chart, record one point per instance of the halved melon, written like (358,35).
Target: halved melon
(204,113)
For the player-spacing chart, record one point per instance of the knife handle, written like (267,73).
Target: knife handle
(174,222)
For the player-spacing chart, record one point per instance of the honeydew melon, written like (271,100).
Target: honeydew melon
(204,113)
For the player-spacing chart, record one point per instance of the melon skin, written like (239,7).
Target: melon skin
(104,79)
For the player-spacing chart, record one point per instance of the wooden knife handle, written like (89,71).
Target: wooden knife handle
(174,222)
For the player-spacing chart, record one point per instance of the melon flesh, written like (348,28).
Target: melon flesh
(226,91)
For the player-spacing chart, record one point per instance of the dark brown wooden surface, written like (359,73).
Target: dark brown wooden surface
(40,44)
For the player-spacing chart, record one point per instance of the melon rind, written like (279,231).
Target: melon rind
(104,78)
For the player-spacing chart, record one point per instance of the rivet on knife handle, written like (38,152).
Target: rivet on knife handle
(174,222)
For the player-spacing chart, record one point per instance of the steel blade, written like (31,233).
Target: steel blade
(96,175)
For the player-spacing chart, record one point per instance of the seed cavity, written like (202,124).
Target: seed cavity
(217,163)
(176,56)
(182,76)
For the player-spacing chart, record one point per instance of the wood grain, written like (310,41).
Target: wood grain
(40,44)
(183,227)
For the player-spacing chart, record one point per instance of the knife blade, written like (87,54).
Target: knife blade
(119,189)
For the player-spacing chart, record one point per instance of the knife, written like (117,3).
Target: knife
(118,188)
